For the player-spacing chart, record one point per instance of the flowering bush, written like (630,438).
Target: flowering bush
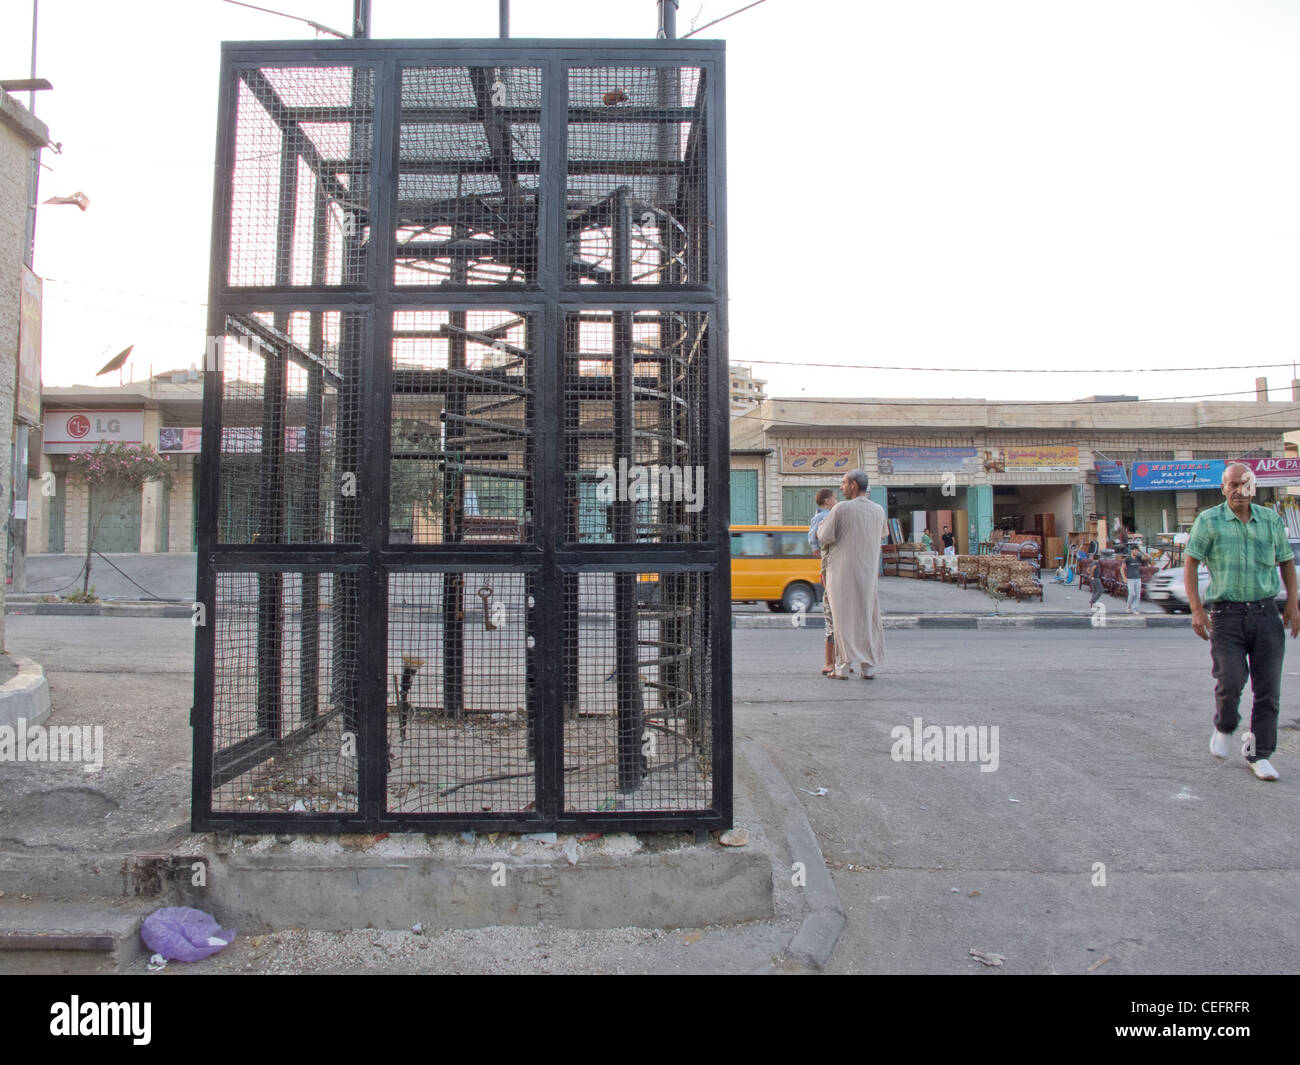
(116,470)
(106,465)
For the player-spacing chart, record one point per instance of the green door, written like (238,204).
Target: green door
(744,497)
(119,530)
(799,504)
(58,509)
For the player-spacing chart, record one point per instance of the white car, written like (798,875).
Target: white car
(1168,592)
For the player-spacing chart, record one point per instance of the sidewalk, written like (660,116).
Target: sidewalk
(906,602)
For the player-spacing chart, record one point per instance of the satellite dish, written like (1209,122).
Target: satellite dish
(116,362)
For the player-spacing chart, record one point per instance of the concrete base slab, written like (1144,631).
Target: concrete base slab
(441,882)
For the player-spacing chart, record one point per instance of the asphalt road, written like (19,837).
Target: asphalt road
(1102,758)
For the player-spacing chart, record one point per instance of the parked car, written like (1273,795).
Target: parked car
(1168,592)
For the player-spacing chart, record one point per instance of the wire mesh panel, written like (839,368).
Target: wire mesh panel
(285,703)
(290,428)
(461,429)
(464,479)
(299,186)
(638,722)
(636,200)
(461,734)
(636,442)
(468,181)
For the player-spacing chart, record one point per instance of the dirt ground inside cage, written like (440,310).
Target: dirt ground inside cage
(478,764)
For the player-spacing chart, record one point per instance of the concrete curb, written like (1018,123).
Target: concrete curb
(26,695)
(100,610)
(978,621)
(815,941)
(738,621)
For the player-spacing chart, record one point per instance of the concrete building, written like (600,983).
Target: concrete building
(21,134)
(1015,465)
(165,412)
(746,390)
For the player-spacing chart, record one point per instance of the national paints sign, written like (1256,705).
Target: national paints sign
(1042,458)
(1273,473)
(68,431)
(933,461)
(826,461)
(1178,476)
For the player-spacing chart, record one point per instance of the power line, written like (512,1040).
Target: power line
(296,18)
(722,19)
(958,402)
(1016,369)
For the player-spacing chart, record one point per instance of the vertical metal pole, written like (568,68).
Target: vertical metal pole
(361,18)
(453,511)
(627,666)
(503,17)
(667,20)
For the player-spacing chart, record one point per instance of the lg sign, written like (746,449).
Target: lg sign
(88,427)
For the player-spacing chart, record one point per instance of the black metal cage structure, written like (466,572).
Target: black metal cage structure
(463,559)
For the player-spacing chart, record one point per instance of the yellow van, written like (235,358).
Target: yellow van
(774,564)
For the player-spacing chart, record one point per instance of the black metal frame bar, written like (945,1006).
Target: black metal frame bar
(548,298)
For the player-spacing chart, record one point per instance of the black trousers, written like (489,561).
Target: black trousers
(1248,639)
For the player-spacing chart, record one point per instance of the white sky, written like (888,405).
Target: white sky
(941,183)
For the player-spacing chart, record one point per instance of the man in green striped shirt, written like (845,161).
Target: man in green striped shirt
(1243,545)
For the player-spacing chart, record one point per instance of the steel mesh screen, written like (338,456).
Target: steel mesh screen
(290,428)
(468,172)
(461,440)
(638,713)
(550,401)
(460,663)
(636,201)
(636,440)
(299,186)
(284,694)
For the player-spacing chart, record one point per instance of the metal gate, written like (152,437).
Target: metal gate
(462,537)
(119,529)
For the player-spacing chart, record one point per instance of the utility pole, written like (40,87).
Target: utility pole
(361,18)
(503,17)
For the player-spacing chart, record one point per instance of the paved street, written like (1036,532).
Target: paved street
(1102,757)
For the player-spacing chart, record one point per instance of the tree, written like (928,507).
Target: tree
(117,470)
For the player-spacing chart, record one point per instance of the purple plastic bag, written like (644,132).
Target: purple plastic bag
(180,933)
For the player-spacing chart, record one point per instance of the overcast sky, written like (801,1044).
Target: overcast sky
(968,184)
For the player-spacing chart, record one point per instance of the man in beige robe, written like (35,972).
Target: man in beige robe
(850,538)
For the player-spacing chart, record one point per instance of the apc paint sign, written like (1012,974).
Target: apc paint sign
(1273,473)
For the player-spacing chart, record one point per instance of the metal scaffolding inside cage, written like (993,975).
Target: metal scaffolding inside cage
(462,538)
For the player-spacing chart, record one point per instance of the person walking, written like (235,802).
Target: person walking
(948,548)
(1133,563)
(850,537)
(825,500)
(1243,545)
(1094,581)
